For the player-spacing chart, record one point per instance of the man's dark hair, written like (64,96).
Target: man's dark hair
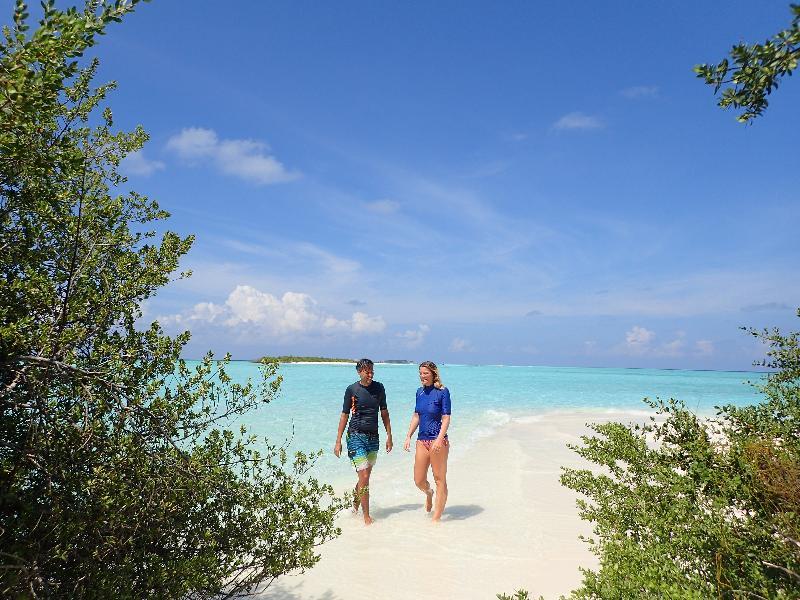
(363,363)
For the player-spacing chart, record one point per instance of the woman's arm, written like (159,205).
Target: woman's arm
(437,443)
(412,427)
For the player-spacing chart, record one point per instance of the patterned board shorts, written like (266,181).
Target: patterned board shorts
(362,448)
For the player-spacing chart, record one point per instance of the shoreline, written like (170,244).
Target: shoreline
(509,523)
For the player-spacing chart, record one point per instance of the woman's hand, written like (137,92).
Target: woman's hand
(407,444)
(337,448)
(437,444)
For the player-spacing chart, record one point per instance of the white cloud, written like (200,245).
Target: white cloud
(206,311)
(640,91)
(363,323)
(136,163)
(383,207)
(578,120)
(704,347)
(193,142)
(414,337)
(246,159)
(639,337)
(460,345)
(292,313)
(640,341)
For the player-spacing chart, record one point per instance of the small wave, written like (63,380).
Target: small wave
(490,422)
(529,419)
(628,411)
(496,418)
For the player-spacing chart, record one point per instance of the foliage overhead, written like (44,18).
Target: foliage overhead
(754,71)
(123,472)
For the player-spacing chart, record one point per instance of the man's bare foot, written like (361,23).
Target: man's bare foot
(429,501)
(368,520)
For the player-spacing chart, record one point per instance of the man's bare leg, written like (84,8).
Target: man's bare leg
(362,489)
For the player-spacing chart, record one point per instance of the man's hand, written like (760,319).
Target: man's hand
(389,444)
(337,448)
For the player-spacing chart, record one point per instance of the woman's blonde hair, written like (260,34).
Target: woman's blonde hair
(437,380)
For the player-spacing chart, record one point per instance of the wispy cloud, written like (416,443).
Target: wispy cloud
(578,121)
(533,313)
(136,163)
(242,158)
(383,207)
(640,91)
(305,250)
(691,294)
(516,136)
(332,262)
(460,345)
(767,306)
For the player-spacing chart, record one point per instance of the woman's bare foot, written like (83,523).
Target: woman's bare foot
(429,501)
(368,520)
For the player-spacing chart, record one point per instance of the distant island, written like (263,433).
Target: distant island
(295,359)
(323,359)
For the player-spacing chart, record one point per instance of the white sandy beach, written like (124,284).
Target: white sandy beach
(509,524)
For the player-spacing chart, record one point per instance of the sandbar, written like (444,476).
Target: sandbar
(509,524)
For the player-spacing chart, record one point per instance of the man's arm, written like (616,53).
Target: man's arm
(387,425)
(337,447)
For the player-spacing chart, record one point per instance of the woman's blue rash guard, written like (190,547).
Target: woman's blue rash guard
(431,404)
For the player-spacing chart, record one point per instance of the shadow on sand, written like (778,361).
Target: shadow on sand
(459,512)
(382,513)
(280,592)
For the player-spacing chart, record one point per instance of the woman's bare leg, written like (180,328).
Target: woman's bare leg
(439,464)
(421,463)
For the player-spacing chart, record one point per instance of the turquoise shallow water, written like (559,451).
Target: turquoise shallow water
(306,412)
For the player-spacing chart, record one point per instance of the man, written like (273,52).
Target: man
(362,402)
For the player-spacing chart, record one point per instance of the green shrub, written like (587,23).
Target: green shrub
(118,477)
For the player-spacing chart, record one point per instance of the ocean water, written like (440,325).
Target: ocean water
(306,412)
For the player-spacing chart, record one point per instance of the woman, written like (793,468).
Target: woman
(432,416)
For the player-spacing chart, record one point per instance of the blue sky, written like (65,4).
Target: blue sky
(467,182)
